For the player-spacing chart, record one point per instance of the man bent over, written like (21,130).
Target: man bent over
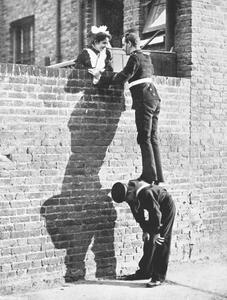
(157,229)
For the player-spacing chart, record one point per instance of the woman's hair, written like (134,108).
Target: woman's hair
(132,36)
(98,37)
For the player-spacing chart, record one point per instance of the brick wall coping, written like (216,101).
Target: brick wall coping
(39,71)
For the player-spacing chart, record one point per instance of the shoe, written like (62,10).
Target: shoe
(137,179)
(135,276)
(153,283)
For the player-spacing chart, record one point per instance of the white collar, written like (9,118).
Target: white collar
(144,184)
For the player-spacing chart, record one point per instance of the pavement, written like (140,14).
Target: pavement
(185,281)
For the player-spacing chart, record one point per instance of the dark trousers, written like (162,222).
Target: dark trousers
(146,117)
(154,262)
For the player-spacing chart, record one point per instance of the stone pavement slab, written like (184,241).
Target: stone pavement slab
(186,281)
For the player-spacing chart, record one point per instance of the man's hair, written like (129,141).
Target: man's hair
(132,36)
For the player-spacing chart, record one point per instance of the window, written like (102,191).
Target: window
(159,29)
(155,23)
(22,41)
(156,18)
(110,13)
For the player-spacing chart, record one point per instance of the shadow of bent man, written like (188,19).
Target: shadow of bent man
(82,216)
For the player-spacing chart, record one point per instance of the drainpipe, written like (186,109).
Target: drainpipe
(81,24)
(58,32)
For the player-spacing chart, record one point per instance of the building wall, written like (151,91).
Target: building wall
(66,144)
(45,27)
(45,31)
(132,15)
(183,37)
(2,25)
(208,115)
(72,22)
(14,10)
(70,41)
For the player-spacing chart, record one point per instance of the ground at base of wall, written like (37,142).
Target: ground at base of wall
(198,281)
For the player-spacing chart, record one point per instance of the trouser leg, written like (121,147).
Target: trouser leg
(145,263)
(154,261)
(155,145)
(162,252)
(160,260)
(148,163)
(147,124)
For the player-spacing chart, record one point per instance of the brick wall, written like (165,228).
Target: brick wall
(2,29)
(183,36)
(57,131)
(63,144)
(14,10)
(208,116)
(72,17)
(70,43)
(45,27)
(132,14)
(134,17)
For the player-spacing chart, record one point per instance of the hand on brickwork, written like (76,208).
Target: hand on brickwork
(158,239)
(96,74)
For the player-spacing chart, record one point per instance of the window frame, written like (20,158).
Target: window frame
(167,30)
(23,40)
(153,29)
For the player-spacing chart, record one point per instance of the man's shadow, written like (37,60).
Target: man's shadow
(82,217)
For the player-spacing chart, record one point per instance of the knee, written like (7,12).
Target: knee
(143,139)
(154,137)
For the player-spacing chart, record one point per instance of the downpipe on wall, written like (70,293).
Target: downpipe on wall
(58,31)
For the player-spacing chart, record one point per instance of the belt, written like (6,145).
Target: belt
(139,81)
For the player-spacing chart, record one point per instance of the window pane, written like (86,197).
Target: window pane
(157,16)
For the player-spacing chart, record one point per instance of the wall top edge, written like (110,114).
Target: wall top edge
(7,69)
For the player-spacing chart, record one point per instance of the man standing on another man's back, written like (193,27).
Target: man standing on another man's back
(146,102)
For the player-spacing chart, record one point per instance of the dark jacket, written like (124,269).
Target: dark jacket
(83,60)
(139,66)
(159,205)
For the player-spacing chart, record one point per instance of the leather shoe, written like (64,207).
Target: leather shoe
(152,283)
(135,276)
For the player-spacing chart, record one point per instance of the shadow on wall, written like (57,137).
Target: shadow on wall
(83,217)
